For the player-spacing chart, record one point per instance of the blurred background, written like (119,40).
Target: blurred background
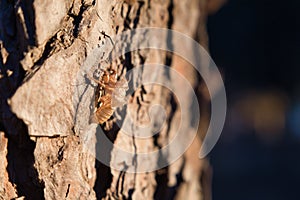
(256,44)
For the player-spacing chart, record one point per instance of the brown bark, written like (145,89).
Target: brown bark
(43,46)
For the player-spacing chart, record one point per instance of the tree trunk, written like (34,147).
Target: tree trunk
(44,45)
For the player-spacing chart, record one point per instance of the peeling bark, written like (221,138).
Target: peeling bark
(44,45)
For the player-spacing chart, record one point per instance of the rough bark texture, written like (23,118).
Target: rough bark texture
(43,45)
(7,190)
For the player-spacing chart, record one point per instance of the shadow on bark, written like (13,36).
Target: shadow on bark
(20,153)
(104,176)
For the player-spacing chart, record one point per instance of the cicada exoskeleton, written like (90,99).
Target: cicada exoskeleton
(110,94)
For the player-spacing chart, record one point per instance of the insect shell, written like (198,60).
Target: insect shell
(109,94)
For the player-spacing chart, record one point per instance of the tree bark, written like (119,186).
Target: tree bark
(44,45)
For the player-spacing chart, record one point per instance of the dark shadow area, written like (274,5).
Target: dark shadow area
(29,17)
(20,154)
(103,181)
(256,43)
(20,166)
(103,152)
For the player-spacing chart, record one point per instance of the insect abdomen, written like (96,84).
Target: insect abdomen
(105,111)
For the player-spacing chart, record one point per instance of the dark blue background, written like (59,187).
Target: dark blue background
(256,43)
